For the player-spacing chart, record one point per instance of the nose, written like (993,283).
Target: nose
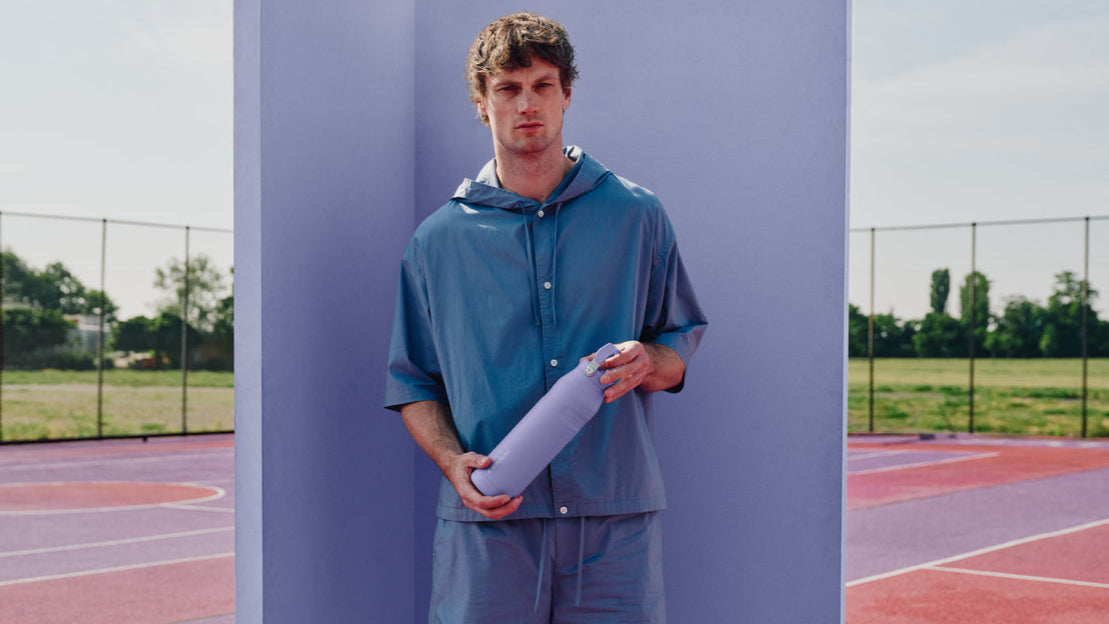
(527,103)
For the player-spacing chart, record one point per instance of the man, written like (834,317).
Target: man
(530,267)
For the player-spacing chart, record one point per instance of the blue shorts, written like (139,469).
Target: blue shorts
(549,571)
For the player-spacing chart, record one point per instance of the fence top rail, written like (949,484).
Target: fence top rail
(195,228)
(937,226)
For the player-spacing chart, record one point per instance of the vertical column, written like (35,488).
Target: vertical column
(324,186)
(753,461)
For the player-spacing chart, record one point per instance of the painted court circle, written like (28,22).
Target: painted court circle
(83,496)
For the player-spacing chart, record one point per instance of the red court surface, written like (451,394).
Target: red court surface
(980,530)
(118,532)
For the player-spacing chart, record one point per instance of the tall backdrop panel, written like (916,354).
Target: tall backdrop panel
(324,203)
(735,114)
(352,124)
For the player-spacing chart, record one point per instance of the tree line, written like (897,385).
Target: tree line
(37,334)
(1024,328)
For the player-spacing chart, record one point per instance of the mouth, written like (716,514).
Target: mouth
(529,125)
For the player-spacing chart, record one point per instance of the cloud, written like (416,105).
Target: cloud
(1038,72)
(196,37)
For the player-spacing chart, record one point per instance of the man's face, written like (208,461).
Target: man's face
(525,108)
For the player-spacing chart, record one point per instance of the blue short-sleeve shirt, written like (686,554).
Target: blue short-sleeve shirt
(500,295)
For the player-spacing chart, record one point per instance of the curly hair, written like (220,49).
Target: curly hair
(512,42)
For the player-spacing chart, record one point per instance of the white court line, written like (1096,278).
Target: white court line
(118,542)
(1021,577)
(949,460)
(30,464)
(980,551)
(188,507)
(851,457)
(218,493)
(137,566)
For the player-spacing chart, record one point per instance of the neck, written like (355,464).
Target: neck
(534,175)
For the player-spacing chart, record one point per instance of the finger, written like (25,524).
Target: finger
(504,510)
(491,502)
(474,460)
(507,506)
(628,352)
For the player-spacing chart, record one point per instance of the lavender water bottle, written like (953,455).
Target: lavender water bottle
(546,429)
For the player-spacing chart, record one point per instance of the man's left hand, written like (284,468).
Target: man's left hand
(650,366)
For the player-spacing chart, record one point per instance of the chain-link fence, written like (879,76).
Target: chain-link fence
(114,328)
(980,327)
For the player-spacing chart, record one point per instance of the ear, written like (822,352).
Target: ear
(566,98)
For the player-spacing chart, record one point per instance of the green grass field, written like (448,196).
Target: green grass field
(53,404)
(1028,397)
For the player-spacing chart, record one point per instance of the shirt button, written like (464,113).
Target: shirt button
(564,511)
(547,285)
(540,214)
(554,362)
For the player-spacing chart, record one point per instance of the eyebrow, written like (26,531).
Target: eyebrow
(503,80)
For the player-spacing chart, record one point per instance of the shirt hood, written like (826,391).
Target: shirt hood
(486,190)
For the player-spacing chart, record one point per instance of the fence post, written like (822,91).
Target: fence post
(971,319)
(870,332)
(100,334)
(1,331)
(1085,324)
(185,342)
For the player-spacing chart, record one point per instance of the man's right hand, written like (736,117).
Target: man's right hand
(458,471)
(432,428)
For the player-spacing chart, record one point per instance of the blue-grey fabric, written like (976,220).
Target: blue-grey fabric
(589,571)
(500,295)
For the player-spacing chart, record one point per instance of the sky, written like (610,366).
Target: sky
(962,110)
(120,110)
(977,111)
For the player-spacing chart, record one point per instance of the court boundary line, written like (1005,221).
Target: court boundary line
(217,494)
(191,507)
(1019,577)
(975,553)
(22,463)
(874,453)
(949,460)
(117,542)
(135,566)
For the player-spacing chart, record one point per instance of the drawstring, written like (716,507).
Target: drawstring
(581,559)
(542,566)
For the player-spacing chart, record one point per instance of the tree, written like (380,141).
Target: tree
(941,288)
(858,328)
(53,288)
(892,338)
(940,335)
(27,331)
(18,279)
(160,335)
(980,314)
(1062,336)
(1018,329)
(206,288)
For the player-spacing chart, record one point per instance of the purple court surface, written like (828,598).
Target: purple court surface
(122,531)
(118,531)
